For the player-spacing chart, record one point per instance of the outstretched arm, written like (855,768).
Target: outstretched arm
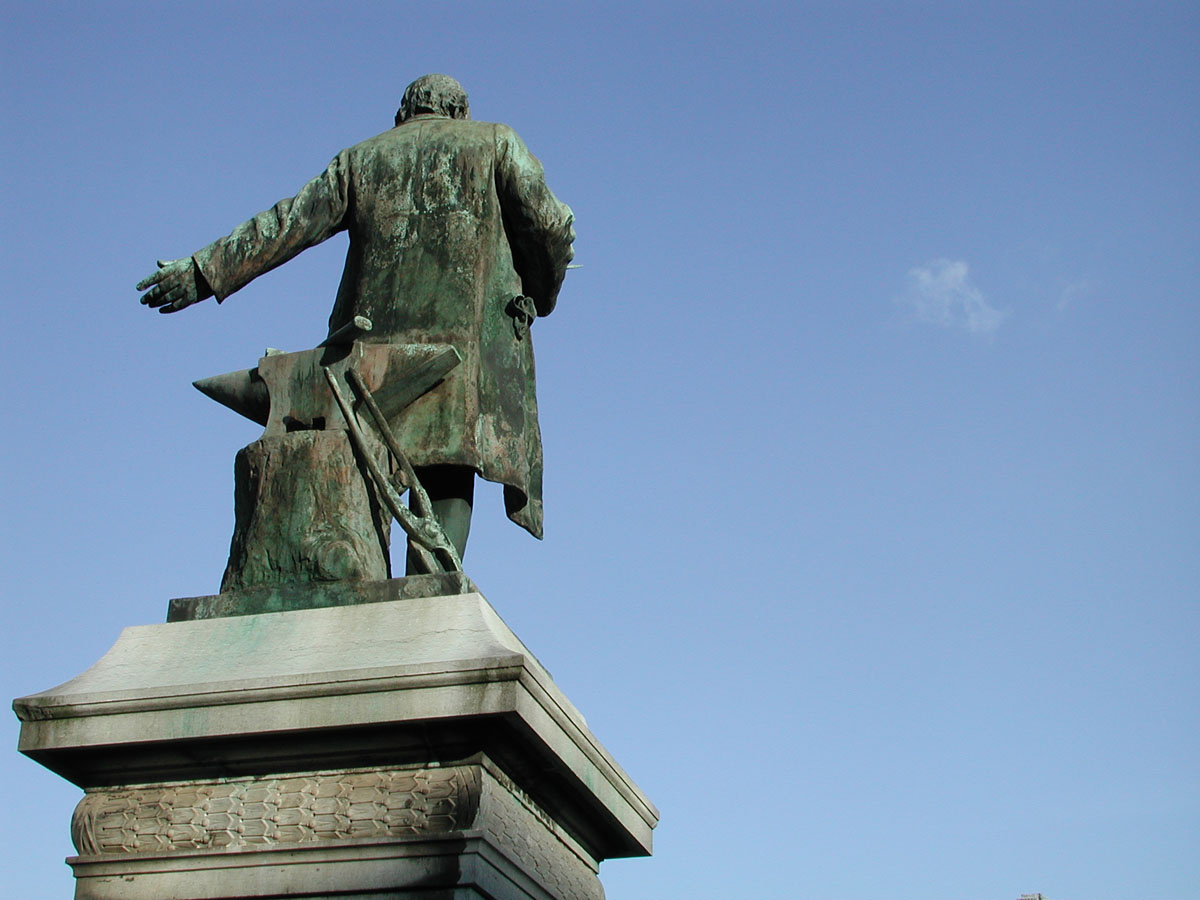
(256,246)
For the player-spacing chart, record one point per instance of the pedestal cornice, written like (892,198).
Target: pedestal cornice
(394,683)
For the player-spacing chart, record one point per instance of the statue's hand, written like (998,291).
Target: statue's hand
(176,285)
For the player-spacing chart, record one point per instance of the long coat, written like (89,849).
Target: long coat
(451,224)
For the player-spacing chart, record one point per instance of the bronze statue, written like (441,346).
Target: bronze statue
(456,243)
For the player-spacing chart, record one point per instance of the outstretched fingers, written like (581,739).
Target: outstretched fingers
(165,267)
(168,286)
(174,302)
(163,292)
(152,278)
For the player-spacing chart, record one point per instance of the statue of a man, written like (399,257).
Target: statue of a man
(454,239)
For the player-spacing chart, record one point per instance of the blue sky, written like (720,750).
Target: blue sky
(870,420)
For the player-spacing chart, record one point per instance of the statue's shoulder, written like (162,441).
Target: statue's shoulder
(468,129)
(423,128)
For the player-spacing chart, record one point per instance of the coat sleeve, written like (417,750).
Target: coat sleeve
(538,226)
(273,237)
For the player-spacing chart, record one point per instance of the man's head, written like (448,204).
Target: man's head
(440,95)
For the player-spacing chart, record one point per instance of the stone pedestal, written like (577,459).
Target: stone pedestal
(401,748)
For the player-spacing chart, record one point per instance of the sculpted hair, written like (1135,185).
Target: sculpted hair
(437,94)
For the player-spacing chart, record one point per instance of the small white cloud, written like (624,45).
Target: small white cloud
(1072,293)
(941,292)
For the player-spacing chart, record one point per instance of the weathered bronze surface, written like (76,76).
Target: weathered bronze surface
(456,245)
(287,392)
(268,598)
(434,551)
(304,513)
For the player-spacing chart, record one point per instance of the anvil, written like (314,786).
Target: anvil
(288,391)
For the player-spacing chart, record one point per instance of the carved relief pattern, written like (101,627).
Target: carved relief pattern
(528,836)
(229,814)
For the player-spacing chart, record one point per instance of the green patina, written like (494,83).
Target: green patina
(455,241)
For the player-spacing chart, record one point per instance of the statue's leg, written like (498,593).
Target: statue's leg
(451,490)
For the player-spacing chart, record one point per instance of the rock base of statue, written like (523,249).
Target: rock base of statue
(400,748)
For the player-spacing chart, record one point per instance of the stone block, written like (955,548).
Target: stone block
(408,748)
(461,831)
